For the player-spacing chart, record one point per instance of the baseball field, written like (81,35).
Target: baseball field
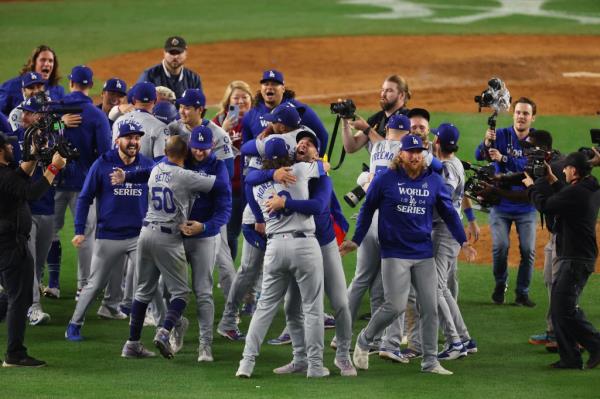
(447,51)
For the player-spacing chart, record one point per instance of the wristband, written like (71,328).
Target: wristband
(53,169)
(367,130)
(469,214)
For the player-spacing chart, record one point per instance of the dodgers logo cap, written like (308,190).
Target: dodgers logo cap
(201,138)
(145,92)
(285,114)
(399,122)
(82,74)
(276,148)
(411,142)
(272,75)
(128,127)
(192,97)
(31,104)
(447,133)
(165,112)
(32,78)
(115,85)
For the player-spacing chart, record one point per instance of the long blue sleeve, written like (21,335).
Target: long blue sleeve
(229,164)
(86,197)
(222,197)
(138,176)
(254,207)
(365,216)
(447,212)
(480,152)
(249,148)
(259,176)
(310,119)
(436,165)
(320,195)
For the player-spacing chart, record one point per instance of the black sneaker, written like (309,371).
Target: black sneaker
(498,295)
(561,365)
(523,300)
(594,360)
(26,361)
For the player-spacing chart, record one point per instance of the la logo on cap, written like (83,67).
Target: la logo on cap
(200,138)
(271,74)
(33,75)
(415,140)
(131,127)
(118,84)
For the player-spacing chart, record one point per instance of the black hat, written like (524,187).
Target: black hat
(419,112)
(580,162)
(175,43)
(6,139)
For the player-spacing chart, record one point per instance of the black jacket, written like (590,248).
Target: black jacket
(575,207)
(379,120)
(186,80)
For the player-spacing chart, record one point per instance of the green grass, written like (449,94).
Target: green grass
(506,365)
(81,31)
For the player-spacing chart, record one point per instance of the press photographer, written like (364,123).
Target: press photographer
(503,147)
(575,206)
(16,263)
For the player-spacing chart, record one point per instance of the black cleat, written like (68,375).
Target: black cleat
(523,300)
(498,295)
(26,361)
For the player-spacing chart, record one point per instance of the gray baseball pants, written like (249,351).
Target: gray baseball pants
(397,277)
(160,254)
(201,254)
(289,259)
(445,254)
(40,239)
(551,269)
(224,262)
(62,200)
(108,264)
(245,278)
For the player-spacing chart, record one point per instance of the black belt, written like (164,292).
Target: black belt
(163,229)
(293,234)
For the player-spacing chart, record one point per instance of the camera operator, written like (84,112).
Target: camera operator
(394,97)
(16,263)
(575,208)
(503,147)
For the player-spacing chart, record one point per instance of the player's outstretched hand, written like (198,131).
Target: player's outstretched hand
(275,203)
(284,176)
(78,240)
(347,247)
(469,251)
(191,228)
(117,176)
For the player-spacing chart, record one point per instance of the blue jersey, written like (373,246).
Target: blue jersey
(91,138)
(406,212)
(253,122)
(4,124)
(11,94)
(120,209)
(513,160)
(213,208)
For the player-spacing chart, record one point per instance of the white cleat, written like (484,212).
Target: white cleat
(361,357)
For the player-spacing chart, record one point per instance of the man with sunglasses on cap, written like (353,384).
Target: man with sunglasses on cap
(16,263)
(171,72)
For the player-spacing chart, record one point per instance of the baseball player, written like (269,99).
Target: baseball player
(113,94)
(290,255)
(153,142)
(192,108)
(91,138)
(120,212)
(32,83)
(446,249)
(208,214)
(160,245)
(273,93)
(406,195)
(321,204)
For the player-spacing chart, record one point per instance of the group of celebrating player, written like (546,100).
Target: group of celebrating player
(158,187)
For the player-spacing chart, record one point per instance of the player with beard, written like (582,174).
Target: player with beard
(393,99)
(406,195)
(120,213)
(272,93)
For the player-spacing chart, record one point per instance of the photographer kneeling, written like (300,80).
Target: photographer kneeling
(16,263)
(575,207)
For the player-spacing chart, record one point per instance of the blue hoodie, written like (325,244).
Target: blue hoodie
(120,209)
(213,209)
(91,138)
(253,122)
(11,93)
(406,212)
(507,142)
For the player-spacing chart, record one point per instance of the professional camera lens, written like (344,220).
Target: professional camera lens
(353,197)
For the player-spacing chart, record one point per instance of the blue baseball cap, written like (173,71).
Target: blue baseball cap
(272,75)
(309,135)
(145,92)
(284,113)
(165,112)
(31,104)
(447,133)
(32,78)
(399,122)
(115,85)
(128,127)
(192,97)
(276,148)
(411,142)
(82,74)
(201,138)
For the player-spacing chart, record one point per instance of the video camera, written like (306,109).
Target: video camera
(496,96)
(478,177)
(46,135)
(595,136)
(345,109)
